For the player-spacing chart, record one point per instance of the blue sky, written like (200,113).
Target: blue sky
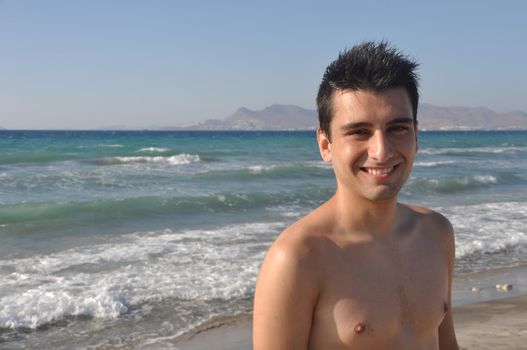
(86,64)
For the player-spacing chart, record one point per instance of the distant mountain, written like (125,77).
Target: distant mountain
(290,117)
(468,118)
(275,117)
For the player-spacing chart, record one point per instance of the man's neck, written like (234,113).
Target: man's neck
(376,218)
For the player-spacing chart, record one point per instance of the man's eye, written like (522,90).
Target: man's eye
(400,128)
(359,132)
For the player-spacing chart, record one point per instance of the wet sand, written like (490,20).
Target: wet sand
(497,324)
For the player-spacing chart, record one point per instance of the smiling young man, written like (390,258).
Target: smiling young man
(362,271)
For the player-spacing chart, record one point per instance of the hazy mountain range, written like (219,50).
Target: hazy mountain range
(290,117)
(275,117)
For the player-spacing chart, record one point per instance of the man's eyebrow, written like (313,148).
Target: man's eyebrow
(404,120)
(356,125)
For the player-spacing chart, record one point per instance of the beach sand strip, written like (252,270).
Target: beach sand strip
(497,324)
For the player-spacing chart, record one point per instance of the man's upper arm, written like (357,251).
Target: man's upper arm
(446,333)
(285,298)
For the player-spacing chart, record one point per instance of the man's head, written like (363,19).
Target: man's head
(371,67)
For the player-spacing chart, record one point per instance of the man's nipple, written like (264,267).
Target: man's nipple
(359,328)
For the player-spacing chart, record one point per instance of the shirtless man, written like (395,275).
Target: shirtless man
(362,271)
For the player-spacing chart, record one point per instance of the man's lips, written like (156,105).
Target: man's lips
(379,171)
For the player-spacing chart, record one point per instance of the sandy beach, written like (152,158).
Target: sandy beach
(500,322)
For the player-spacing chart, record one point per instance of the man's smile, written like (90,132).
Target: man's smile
(380,171)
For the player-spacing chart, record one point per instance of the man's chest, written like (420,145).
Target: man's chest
(370,299)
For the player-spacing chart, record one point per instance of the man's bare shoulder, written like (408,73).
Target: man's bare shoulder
(431,223)
(304,241)
(429,217)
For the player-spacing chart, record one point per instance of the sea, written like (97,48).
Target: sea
(131,239)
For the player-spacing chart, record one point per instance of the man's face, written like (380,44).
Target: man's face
(373,142)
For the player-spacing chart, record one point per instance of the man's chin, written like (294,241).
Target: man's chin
(382,195)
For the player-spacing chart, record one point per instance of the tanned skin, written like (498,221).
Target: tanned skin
(362,271)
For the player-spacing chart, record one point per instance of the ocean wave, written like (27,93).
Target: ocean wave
(317,164)
(154,149)
(289,166)
(274,170)
(293,168)
(67,214)
(289,211)
(200,267)
(115,145)
(460,151)
(431,164)
(451,184)
(489,228)
(158,174)
(260,168)
(179,159)
(34,158)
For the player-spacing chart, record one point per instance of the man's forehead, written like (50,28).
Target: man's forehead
(367,123)
(365,105)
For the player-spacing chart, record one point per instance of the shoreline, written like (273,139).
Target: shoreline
(484,283)
(484,319)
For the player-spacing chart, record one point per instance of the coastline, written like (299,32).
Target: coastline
(484,283)
(484,319)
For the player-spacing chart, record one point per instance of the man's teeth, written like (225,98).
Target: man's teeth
(379,171)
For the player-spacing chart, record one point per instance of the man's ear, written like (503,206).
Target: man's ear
(324,145)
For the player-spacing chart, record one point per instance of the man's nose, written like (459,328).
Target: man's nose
(380,148)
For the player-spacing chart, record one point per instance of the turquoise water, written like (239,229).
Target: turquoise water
(137,237)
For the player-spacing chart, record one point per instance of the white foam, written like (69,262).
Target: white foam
(104,280)
(472,150)
(154,149)
(261,168)
(172,160)
(433,164)
(485,179)
(466,181)
(289,211)
(489,227)
(110,146)
(318,164)
(310,164)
